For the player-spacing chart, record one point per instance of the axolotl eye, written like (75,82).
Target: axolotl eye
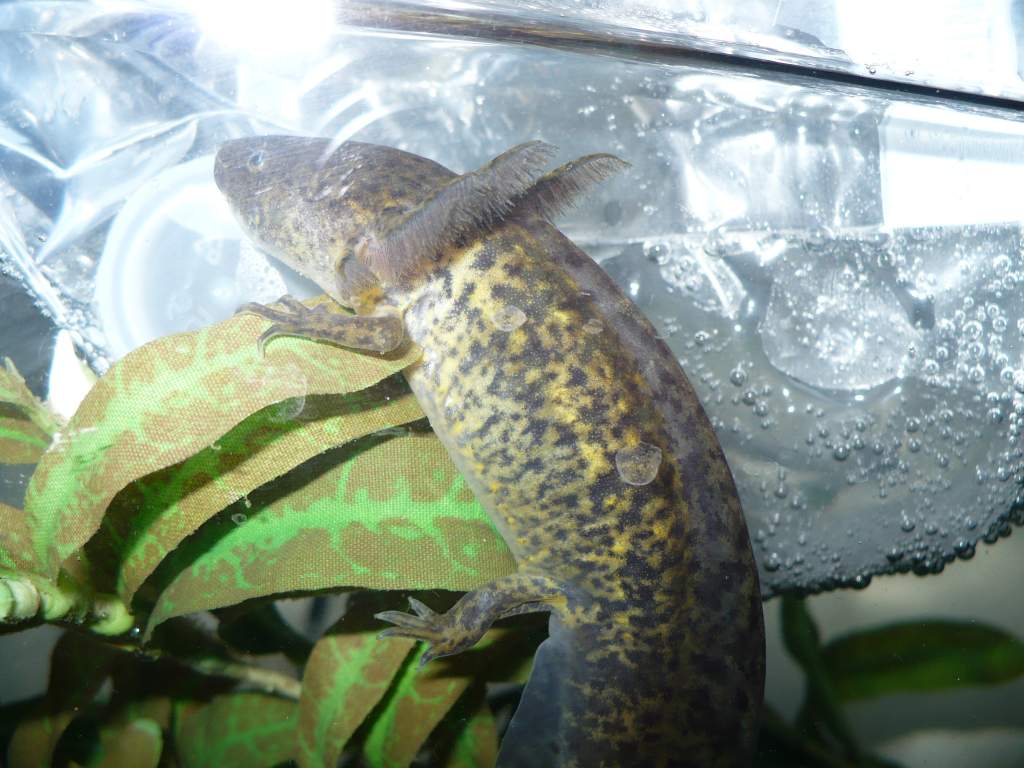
(255,161)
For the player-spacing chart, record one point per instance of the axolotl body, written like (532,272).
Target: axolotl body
(571,421)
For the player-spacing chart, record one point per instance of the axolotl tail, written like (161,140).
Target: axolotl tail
(536,735)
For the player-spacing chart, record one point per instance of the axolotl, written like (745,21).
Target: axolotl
(571,421)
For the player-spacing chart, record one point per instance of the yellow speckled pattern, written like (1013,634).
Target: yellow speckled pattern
(536,373)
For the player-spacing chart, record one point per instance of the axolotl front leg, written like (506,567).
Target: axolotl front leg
(372,333)
(414,235)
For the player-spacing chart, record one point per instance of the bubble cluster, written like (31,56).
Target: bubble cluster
(868,389)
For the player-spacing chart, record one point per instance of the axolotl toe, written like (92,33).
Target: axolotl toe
(571,421)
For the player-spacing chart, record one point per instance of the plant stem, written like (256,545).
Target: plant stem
(821,708)
(27,596)
(261,678)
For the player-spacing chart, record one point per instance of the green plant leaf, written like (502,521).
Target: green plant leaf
(922,656)
(165,402)
(149,520)
(16,552)
(12,715)
(416,704)
(821,712)
(14,392)
(237,730)
(421,697)
(78,666)
(388,512)
(346,676)
(136,744)
(477,744)
(21,441)
(471,732)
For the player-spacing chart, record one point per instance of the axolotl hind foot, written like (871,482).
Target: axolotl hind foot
(462,626)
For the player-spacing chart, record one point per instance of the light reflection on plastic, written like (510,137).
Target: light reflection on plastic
(941,167)
(70,380)
(264,29)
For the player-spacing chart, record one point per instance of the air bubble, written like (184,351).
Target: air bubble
(593,326)
(238,518)
(639,464)
(508,318)
(738,377)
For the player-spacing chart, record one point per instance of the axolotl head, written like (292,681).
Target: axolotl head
(315,204)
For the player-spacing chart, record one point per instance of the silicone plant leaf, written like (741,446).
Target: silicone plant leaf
(387,512)
(475,742)
(15,393)
(163,509)
(78,667)
(26,425)
(15,541)
(821,711)
(21,441)
(237,730)
(421,697)
(346,676)
(137,744)
(922,656)
(168,400)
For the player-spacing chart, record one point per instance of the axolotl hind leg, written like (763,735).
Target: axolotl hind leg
(373,333)
(462,626)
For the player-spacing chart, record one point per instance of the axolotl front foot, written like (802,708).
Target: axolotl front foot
(375,333)
(462,626)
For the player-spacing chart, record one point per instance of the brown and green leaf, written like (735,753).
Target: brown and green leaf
(167,401)
(15,541)
(154,515)
(473,734)
(26,425)
(15,393)
(135,744)
(78,666)
(385,512)
(21,441)
(420,699)
(347,674)
(217,477)
(237,730)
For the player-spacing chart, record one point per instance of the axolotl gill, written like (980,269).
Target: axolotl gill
(571,421)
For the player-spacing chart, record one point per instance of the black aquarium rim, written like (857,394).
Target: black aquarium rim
(504,27)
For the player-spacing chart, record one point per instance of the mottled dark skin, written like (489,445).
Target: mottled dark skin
(543,381)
